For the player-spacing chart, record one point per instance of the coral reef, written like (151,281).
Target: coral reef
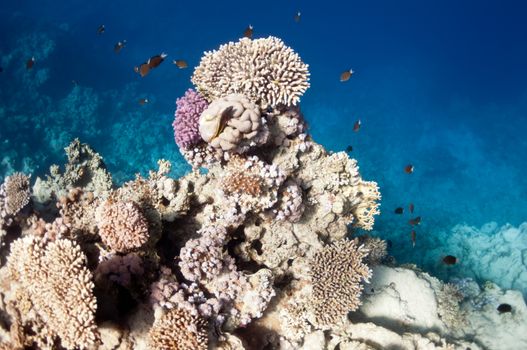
(256,251)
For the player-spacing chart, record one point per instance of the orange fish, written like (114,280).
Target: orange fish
(346,75)
(449,260)
(409,169)
(143,69)
(180,63)
(30,63)
(414,236)
(415,221)
(356,126)
(143,101)
(411,208)
(119,46)
(297,17)
(155,61)
(248,32)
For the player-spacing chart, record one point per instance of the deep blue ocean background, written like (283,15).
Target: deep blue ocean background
(438,84)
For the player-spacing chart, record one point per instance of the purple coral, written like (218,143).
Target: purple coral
(186,122)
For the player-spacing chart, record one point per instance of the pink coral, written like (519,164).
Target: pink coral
(186,122)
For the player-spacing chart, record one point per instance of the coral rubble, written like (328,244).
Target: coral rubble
(254,252)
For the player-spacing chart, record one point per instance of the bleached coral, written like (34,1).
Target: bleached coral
(122,225)
(265,70)
(337,273)
(177,329)
(85,169)
(54,279)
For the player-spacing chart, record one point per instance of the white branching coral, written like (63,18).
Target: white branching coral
(265,70)
(54,278)
(178,330)
(233,123)
(122,225)
(337,272)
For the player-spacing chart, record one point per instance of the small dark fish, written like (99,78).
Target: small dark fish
(155,61)
(349,149)
(143,69)
(181,64)
(449,260)
(143,101)
(248,32)
(502,308)
(409,169)
(346,75)
(389,243)
(415,221)
(411,208)
(1,69)
(119,46)
(414,236)
(30,63)
(101,29)
(356,126)
(399,210)
(297,17)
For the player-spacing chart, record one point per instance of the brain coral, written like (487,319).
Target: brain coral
(233,123)
(186,122)
(122,225)
(264,70)
(55,279)
(178,330)
(337,271)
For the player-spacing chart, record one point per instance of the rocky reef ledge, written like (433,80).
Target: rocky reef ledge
(259,247)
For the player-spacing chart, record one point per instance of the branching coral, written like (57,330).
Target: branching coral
(85,169)
(186,122)
(178,330)
(337,271)
(122,225)
(265,70)
(233,123)
(54,279)
(377,249)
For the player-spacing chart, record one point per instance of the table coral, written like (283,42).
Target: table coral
(265,70)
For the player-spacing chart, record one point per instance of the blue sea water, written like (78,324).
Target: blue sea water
(437,84)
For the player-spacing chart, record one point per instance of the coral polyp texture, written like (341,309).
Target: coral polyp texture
(337,273)
(258,250)
(186,122)
(265,70)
